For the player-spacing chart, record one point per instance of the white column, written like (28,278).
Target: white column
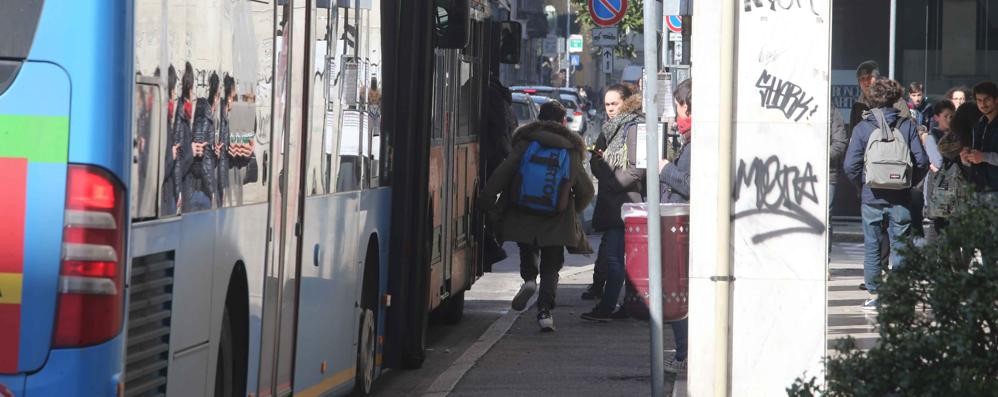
(778,201)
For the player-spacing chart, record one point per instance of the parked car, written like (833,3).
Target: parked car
(524,108)
(578,118)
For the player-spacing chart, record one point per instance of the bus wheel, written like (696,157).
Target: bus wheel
(224,367)
(451,311)
(366,353)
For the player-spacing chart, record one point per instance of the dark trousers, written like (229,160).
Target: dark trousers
(611,249)
(547,262)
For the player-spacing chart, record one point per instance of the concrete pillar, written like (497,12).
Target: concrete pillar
(779,203)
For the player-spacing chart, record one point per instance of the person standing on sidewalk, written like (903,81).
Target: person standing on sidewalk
(543,235)
(614,164)
(983,153)
(894,202)
(674,184)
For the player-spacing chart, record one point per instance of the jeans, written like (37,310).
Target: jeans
(551,260)
(612,249)
(680,331)
(599,271)
(899,218)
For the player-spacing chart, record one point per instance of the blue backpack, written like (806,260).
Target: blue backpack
(542,184)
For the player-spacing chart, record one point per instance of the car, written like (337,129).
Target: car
(576,106)
(524,108)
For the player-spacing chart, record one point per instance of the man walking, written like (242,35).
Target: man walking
(880,142)
(544,186)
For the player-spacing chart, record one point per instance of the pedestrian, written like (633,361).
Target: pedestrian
(983,152)
(838,141)
(917,102)
(674,185)
(614,164)
(886,191)
(947,176)
(941,127)
(546,145)
(867,73)
(957,95)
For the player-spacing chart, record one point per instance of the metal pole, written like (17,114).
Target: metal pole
(568,54)
(723,278)
(893,42)
(654,222)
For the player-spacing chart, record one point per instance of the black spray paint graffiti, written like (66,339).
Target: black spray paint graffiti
(779,190)
(785,96)
(752,5)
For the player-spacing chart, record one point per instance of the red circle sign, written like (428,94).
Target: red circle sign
(607,13)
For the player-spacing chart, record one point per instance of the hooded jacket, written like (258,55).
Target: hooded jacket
(855,155)
(618,185)
(515,224)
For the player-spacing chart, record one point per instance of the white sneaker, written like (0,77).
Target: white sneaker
(545,321)
(675,367)
(522,296)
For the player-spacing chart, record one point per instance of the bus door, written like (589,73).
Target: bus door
(284,228)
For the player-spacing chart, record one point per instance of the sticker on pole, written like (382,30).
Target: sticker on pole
(674,23)
(607,13)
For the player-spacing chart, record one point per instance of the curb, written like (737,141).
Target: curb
(448,380)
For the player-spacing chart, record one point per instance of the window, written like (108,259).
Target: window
(146,147)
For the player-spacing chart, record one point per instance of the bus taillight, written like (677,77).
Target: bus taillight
(91,277)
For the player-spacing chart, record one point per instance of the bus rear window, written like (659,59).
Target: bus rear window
(18,21)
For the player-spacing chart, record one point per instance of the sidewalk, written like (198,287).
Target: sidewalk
(580,359)
(585,359)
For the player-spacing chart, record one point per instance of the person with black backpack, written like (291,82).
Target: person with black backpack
(885,159)
(544,187)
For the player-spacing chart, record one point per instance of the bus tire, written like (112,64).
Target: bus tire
(451,311)
(366,353)
(224,366)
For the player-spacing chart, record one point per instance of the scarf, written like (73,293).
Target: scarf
(684,126)
(616,139)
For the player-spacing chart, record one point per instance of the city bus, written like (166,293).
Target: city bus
(236,197)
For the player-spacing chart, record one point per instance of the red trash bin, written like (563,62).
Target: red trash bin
(675,258)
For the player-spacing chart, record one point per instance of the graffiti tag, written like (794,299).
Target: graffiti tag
(779,190)
(785,96)
(778,5)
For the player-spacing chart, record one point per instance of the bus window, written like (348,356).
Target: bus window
(145,149)
(321,125)
(380,143)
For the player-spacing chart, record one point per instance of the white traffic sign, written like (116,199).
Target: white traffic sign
(607,60)
(605,37)
(551,46)
(575,42)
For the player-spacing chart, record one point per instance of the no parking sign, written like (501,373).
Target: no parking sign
(607,13)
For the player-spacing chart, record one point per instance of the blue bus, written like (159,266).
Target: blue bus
(236,197)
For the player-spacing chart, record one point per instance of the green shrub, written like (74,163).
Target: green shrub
(938,320)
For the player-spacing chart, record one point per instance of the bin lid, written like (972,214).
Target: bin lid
(640,210)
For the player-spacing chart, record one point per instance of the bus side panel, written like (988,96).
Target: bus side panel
(436,190)
(33,149)
(78,372)
(375,212)
(242,237)
(99,62)
(327,312)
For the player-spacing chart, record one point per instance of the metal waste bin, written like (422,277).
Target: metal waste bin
(675,255)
